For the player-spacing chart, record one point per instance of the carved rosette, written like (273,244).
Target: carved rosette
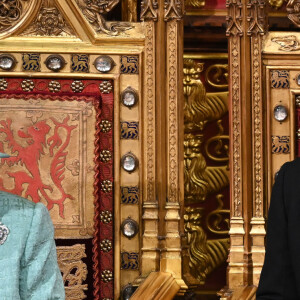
(49,22)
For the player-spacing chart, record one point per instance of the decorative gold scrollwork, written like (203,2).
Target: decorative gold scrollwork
(218,219)
(201,180)
(217,76)
(221,148)
(73,269)
(205,255)
(94,12)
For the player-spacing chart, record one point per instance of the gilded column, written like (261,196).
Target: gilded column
(256,30)
(171,254)
(150,248)
(237,231)
(246,26)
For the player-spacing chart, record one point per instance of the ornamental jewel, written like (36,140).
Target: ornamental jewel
(4,231)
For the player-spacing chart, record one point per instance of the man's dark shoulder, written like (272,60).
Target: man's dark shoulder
(8,201)
(291,166)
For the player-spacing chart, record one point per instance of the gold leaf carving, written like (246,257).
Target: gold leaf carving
(74,270)
(94,11)
(217,76)
(276,3)
(12,12)
(49,22)
(195,3)
(205,255)
(287,43)
(200,180)
(149,10)
(174,9)
(200,107)
(256,17)
(234,18)
(293,9)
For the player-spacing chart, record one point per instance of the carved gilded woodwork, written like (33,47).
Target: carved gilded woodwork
(173,9)
(293,10)
(246,26)
(276,3)
(287,43)
(14,13)
(217,76)
(201,181)
(257,17)
(79,35)
(205,255)
(94,11)
(74,270)
(200,107)
(194,3)
(49,22)
(149,10)
(235,32)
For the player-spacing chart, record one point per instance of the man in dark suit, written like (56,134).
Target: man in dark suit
(280,276)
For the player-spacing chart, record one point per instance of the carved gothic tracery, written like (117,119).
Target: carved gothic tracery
(12,12)
(174,9)
(149,10)
(256,17)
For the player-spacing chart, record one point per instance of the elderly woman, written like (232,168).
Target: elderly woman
(28,263)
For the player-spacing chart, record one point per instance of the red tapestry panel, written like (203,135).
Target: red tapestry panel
(59,134)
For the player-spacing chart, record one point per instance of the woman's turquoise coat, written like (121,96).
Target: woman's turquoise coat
(28,263)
